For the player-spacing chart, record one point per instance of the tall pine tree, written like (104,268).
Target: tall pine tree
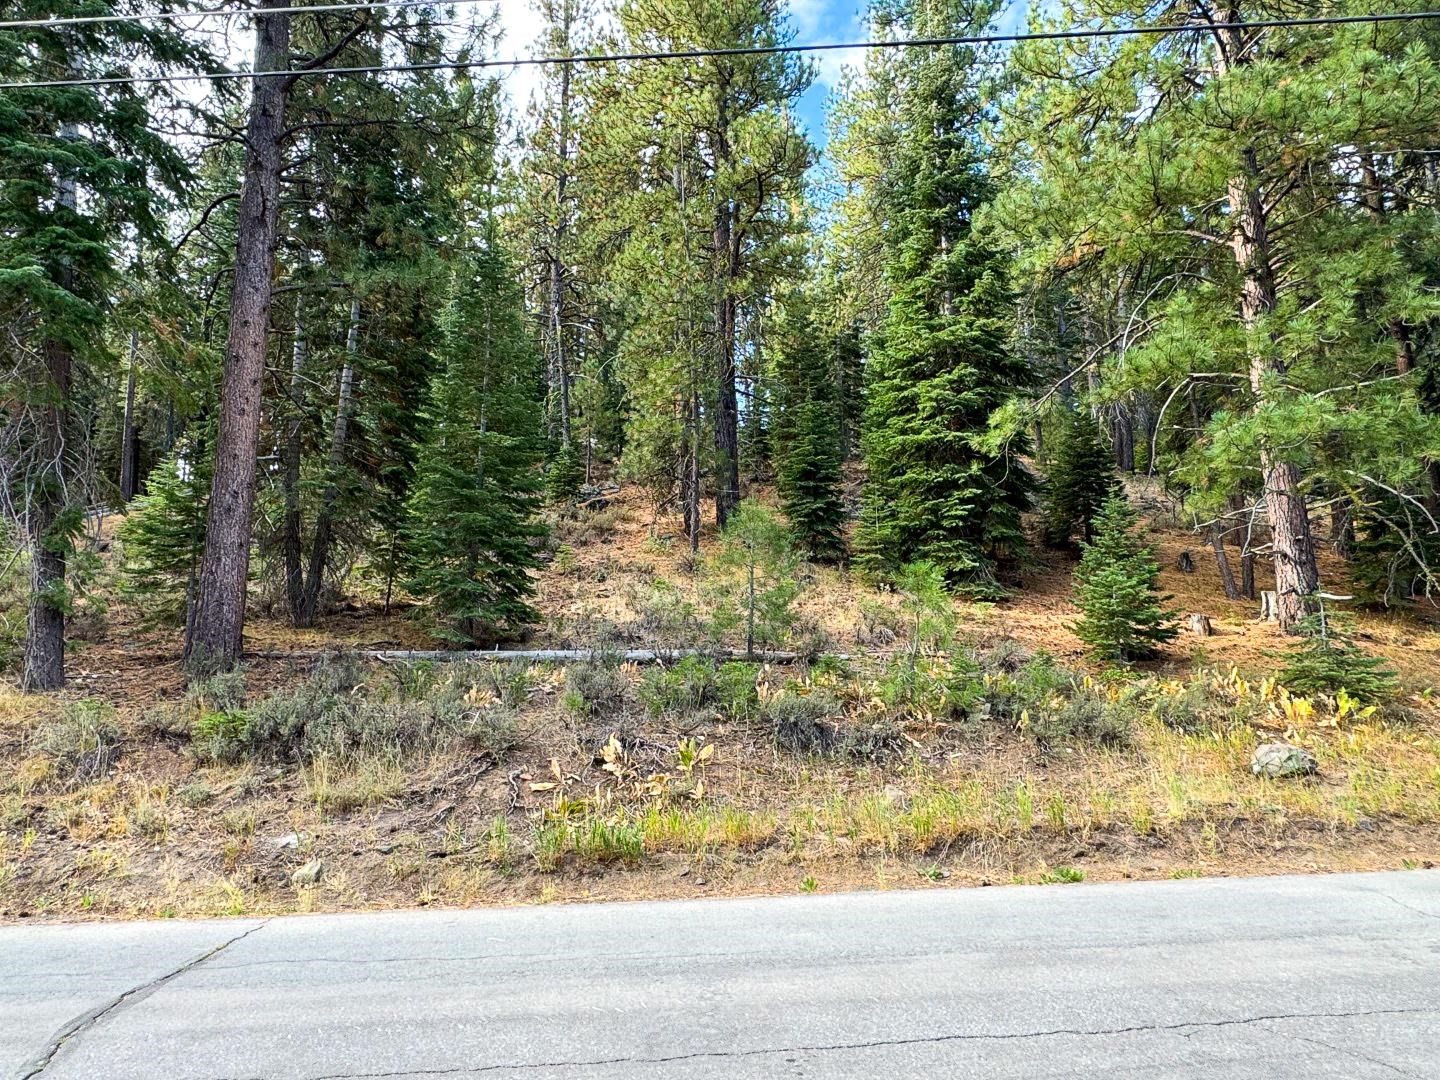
(940,367)
(472,516)
(808,451)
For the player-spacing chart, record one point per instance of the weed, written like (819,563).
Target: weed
(82,741)
(1063,875)
(595,691)
(801,723)
(809,885)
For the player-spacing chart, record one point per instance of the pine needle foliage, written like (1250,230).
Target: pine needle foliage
(472,517)
(1326,660)
(940,366)
(1116,589)
(808,450)
(163,536)
(1082,476)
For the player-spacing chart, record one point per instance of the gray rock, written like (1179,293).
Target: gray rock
(1281,760)
(308,874)
(288,842)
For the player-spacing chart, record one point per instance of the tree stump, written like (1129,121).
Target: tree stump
(1269,610)
(1200,624)
(1187,562)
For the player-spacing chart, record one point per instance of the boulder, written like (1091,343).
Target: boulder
(308,874)
(1281,760)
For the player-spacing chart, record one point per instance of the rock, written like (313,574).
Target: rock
(308,874)
(1281,760)
(893,796)
(288,842)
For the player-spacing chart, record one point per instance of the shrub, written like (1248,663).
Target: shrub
(565,475)
(941,688)
(595,690)
(83,740)
(1116,590)
(801,723)
(219,736)
(1087,716)
(510,682)
(695,684)
(1326,660)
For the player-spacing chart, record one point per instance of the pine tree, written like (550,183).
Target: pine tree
(163,536)
(478,481)
(1326,660)
(83,176)
(565,474)
(808,450)
(941,366)
(1082,476)
(1116,589)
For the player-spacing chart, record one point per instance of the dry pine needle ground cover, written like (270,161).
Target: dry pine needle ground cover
(339,783)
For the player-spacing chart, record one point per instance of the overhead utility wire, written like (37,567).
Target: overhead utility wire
(219,13)
(755,50)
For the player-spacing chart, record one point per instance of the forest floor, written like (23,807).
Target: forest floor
(124,796)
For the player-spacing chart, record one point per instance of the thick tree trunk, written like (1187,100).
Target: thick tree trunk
(325,518)
(216,637)
(1297,577)
(43,667)
(129,450)
(44,663)
(290,478)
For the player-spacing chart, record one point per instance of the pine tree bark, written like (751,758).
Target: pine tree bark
(290,477)
(727,403)
(44,662)
(1297,576)
(43,666)
(325,517)
(128,448)
(216,637)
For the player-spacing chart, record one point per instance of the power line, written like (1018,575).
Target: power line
(755,50)
(217,13)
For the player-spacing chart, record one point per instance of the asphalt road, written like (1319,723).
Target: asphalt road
(1266,978)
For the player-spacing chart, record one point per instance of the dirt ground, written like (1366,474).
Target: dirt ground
(161,831)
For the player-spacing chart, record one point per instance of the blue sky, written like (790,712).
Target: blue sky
(822,21)
(815,21)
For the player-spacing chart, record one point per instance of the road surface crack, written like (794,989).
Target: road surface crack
(85,1021)
(477,1070)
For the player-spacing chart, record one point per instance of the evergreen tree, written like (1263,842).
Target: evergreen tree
(934,490)
(478,481)
(1082,476)
(565,474)
(1326,660)
(163,536)
(807,436)
(1116,589)
(82,172)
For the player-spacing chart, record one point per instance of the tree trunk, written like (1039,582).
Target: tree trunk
(560,371)
(290,478)
(1297,577)
(1222,562)
(325,518)
(43,667)
(128,447)
(216,638)
(727,404)
(44,664)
